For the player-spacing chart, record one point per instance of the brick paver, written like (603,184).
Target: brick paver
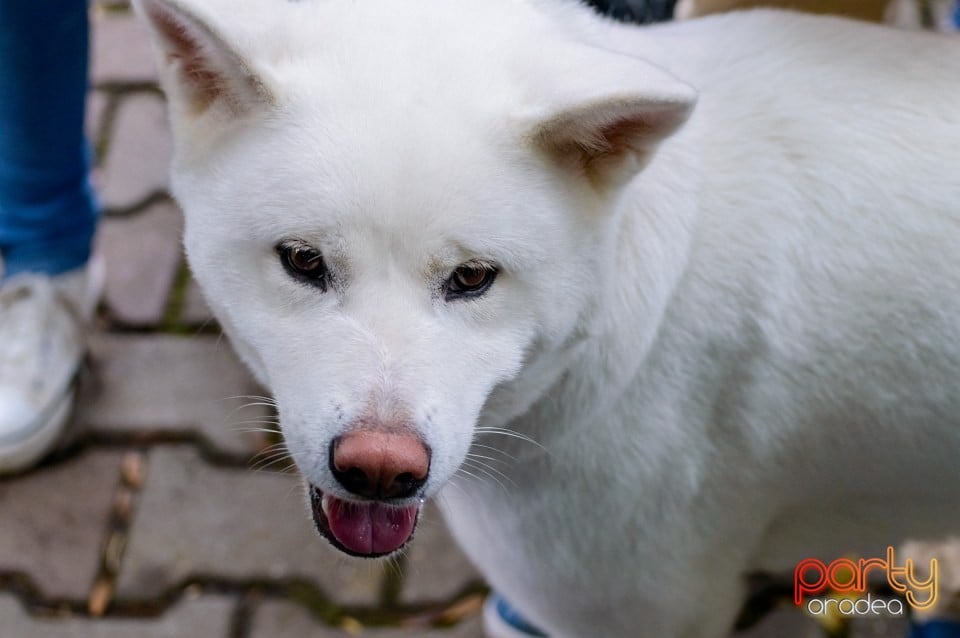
(788,622)
(195,309)
(195,519)
(172,384)
(435,569)
(137,162)
(142,254)
(53,523)
(284,620)
(203,618)
(879,628)
(121,49)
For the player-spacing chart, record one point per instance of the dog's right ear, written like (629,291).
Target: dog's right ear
(200,71)
(601,114)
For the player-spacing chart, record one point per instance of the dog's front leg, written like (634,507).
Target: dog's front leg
(578,573)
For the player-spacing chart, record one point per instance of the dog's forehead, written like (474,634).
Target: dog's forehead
(354,180)
(389,50)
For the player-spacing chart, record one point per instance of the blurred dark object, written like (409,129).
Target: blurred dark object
(640,11)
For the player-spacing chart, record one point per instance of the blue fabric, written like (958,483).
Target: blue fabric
(513,618)
(641,11)
(47,209)
(936,629)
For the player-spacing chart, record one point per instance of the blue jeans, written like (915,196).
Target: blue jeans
(47,209)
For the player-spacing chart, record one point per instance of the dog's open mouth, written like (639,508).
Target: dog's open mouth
(367,529)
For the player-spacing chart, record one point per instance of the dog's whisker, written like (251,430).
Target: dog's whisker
(258,403)
(484,463)
(486,475)
(394,562)
(490,471)
(253,429)
(257,424)
(451,482)
(273,447)
(203,326)
(271,425)
(265,420)
(492,459)
(284,471)
(267,459)
(258,397)
(454,485)
(266,431)
(270,466)
(294,489)
(494,449)
(509,433)
(252,404)
(253,400)
(271,455)
(466,472)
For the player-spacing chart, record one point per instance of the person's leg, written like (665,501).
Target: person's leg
(47,211)
(48,283)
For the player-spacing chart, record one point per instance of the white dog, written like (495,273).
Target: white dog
(693,289)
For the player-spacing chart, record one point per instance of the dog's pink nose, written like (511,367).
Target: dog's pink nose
(380,465)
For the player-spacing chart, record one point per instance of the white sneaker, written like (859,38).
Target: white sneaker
(42,344)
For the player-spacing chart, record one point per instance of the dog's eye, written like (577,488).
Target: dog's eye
(470,280)
(304,263)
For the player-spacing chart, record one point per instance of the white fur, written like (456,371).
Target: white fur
(746,355)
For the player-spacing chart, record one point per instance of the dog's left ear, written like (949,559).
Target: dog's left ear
(608,115)
(200,71)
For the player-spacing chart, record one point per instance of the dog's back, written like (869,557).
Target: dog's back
(823,284)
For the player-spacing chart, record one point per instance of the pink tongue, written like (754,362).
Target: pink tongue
(371,528)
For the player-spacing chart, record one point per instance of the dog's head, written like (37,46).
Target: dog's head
(391,207)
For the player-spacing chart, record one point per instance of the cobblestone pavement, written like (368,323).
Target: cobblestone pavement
(165,514)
